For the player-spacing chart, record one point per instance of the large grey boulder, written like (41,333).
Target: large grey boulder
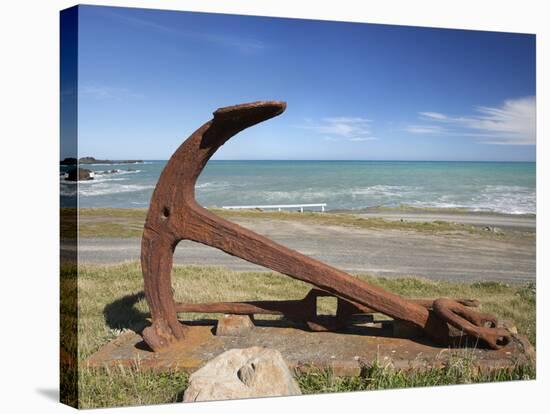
(242,373)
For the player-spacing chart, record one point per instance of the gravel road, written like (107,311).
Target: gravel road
(390,253)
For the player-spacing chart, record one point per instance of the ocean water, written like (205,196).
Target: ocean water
(505,187)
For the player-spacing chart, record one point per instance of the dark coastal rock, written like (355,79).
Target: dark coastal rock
(68,161)
(92,160)
(79,174)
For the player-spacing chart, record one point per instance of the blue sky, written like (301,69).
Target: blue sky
(149,78)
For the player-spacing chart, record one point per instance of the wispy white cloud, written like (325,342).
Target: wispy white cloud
(355,129)
(511,123)
(433,115)
(361,139)
(242,44)
(426,129)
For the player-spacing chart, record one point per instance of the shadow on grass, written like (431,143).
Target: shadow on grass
(122,314)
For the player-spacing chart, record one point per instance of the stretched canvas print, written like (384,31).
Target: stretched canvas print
(257,207)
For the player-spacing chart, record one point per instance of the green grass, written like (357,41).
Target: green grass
(405,208)
(118,222)
(110,301)
(379,377)
(129,386)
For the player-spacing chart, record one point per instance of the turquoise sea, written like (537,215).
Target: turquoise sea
(505,187)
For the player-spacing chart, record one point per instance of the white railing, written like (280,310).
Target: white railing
(279,207)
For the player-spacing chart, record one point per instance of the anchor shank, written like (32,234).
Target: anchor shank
(207,228)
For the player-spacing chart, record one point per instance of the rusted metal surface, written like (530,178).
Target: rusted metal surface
(174,215)
(345,353)
(300,310)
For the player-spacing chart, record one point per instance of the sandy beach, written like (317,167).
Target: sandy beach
(506,253)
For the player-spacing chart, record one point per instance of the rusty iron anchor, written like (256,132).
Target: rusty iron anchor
(174,215)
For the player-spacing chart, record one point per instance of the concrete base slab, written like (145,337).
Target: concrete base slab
(345,353)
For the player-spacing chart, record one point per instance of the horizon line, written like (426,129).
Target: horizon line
(311,160)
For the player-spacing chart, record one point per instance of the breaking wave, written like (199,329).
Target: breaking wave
(495,187)
(102,189)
